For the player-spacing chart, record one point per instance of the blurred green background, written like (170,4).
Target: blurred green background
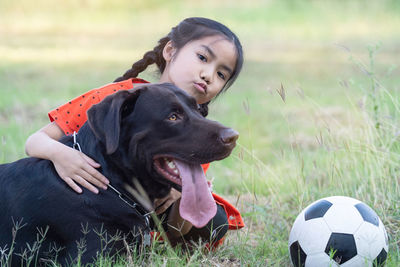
(306,94)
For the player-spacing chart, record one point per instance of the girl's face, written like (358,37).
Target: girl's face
(201,67)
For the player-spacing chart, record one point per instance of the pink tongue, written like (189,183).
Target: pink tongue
(197,204)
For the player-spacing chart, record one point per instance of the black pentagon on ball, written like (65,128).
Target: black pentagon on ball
(317,210)
(380,259)
(297,254)
(367,213)
(341,247)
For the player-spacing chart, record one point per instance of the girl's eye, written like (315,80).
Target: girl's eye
(202,58)
(221,75)
(172,117)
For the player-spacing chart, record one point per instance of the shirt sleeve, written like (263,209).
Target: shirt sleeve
(72,115)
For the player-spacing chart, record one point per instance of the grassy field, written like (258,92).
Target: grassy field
(317,104)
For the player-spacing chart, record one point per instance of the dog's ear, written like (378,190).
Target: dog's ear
(105,117)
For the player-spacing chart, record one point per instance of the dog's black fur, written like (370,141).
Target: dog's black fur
(124,133)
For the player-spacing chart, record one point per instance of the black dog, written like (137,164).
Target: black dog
(153,133)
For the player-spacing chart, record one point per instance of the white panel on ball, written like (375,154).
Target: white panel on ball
(357,261)
(343,200)
(320,260)
(385,237)
(314,236)
(369,240)
(343,218)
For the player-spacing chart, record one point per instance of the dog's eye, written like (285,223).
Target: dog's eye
(172,117)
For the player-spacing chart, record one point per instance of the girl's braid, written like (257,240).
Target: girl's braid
(151,57)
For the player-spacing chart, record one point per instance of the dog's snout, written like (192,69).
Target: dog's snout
(229,136)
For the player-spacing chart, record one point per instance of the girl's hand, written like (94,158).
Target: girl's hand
(162,204)
(71,165)
(74,168)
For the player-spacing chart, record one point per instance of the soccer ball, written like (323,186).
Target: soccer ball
(338,231)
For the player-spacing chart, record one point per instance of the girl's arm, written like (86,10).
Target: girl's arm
(71,165)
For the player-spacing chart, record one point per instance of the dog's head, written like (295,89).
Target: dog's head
(157,132)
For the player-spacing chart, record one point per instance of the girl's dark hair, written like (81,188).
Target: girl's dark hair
(188,30)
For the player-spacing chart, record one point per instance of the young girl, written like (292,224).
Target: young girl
(202,57)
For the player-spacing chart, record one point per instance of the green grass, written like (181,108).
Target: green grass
(321,140)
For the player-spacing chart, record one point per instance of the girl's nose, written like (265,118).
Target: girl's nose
(204,78)
(207,74)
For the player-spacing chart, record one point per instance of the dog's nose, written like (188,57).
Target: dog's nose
(229,136)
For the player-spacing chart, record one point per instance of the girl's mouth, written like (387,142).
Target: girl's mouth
(201,87)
